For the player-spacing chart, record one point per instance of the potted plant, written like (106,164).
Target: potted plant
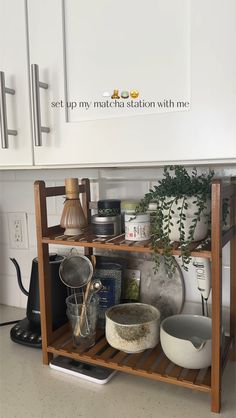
(181,214)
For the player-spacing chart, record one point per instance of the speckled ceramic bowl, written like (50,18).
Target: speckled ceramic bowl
(132,327)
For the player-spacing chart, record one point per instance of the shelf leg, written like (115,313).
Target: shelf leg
(47,357)
(43,269)
(233,280)
(45,300)
(216,209)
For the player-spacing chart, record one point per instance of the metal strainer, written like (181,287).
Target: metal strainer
(76,271)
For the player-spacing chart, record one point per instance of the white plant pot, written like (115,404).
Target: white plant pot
(201,227)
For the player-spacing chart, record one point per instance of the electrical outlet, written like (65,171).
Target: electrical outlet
(18,232)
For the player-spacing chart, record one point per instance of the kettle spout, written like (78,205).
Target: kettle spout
(197,342)
(18,273)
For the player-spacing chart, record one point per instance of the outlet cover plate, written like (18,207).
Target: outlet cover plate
(18,231)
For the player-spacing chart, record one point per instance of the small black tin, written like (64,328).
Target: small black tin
(109,207)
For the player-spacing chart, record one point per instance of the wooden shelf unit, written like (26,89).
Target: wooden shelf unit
(152,364)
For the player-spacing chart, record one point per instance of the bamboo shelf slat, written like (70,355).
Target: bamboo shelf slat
(150,363)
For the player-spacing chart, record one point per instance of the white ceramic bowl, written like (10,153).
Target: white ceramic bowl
(132,327)
(186,340)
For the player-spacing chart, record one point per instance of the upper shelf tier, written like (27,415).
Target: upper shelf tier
(87,239)
(55,234)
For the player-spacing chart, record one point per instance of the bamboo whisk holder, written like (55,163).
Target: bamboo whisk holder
(73,218)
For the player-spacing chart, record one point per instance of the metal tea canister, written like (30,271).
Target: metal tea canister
(106,226)
(137,227)
(107,222)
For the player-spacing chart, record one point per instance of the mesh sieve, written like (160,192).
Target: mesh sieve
(76,271)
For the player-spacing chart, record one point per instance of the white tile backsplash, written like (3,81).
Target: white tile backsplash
(226,255)
(7,175)
(54,220)
(142,173)
(59,201)
(23,257)
(32,230)
(51,202)
(9,291)
(17,195)
(225,286)
(94,190)
(4,230)
(122,189)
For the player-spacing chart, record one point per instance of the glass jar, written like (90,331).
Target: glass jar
(127,207)
(83,319)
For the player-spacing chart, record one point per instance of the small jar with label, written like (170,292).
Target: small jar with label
(137,227)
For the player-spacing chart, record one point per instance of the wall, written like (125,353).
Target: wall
(16,195)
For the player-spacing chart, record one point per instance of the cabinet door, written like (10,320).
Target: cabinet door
(15,150)
(87,49)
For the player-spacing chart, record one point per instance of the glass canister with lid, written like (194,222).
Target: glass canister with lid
(127,207)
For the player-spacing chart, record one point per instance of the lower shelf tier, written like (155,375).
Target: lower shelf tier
(151,363)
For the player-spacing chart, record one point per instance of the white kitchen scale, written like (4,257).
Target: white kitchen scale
(96,374)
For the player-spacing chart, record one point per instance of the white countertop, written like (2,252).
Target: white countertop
(28,389)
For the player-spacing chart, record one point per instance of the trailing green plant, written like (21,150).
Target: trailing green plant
(174,189)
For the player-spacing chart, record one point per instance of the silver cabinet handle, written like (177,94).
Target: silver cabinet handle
(36,84)
(3,112)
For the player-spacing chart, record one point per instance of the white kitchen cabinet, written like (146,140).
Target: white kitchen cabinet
(126,46)
(65,40)
(15,150)
(169,52)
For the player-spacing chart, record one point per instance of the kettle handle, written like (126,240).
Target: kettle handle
(18,273)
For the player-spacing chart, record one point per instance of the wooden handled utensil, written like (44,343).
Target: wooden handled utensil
(83,316)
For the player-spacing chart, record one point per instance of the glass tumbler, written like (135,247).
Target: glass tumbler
(83,319)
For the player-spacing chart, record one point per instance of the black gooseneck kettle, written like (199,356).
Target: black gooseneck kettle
(27,331)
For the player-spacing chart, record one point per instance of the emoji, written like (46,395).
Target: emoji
(115,94)
(106,94)
(124,94)
(134,94)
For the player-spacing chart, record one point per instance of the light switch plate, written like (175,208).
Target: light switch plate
(18,231)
